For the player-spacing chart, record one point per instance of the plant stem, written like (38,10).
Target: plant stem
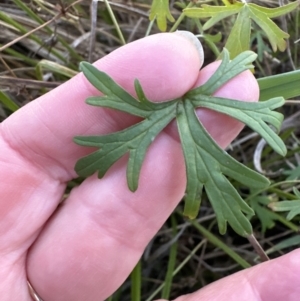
(112,15)
(258,248)
(136,282)
(181,17)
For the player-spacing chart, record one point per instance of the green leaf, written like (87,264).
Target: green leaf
(227,70)
(7,102)
(296,192)
(285,85)
(265,216)
(274,33)
(277,11)
(134,140)
(213,38)
(258,42)
(255,115)
(160,10)
(292,206)
(56,67)
(136,282)
(215,13)
(262,17)
(211,41)
(207,165)
(286,243)
(239,37)
(293,174)
(115,97)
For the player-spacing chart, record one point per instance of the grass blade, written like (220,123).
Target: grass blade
(285,85)
(218,243)
(177,270)
(136,280)
(7,102)
(171,264)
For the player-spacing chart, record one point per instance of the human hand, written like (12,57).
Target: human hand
(85,248)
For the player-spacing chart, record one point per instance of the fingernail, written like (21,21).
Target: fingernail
(192,38)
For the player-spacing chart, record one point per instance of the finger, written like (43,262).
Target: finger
(102,229)
(274,280)
(37,149)
(37,153)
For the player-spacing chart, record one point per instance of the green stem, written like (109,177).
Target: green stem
(149,27)
(217,242)
(112,15)
(136,282)
(183,263)
(285,222)
(171,264)
(283,194)
(181,17)
(270,187)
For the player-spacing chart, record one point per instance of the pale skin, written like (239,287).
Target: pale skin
(85,249)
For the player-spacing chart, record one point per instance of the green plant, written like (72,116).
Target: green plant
(239,37)
(206,163)
(292,207)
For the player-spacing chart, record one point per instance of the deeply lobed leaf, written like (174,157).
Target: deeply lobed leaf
(255,115)
(215,13)
(114,96)
(207,165)
(275,35)
(227,70)
(134,140)
(239,37)
(160,10)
